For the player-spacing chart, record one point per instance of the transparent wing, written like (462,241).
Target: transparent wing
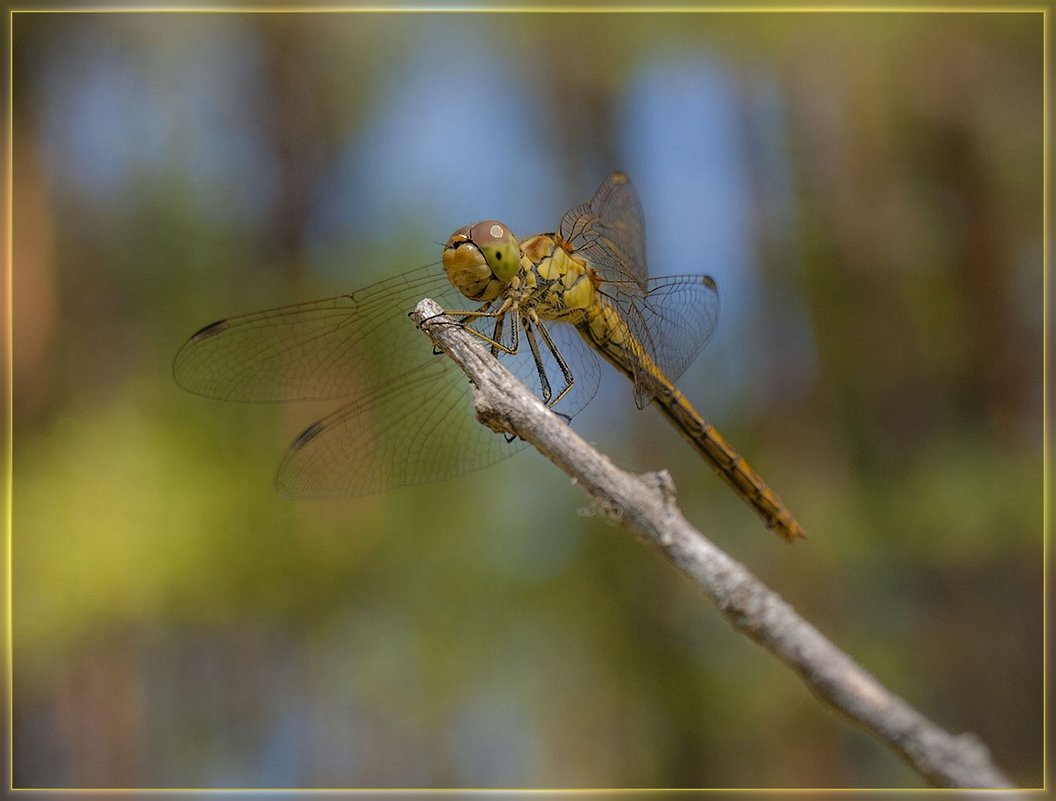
(673,319)
(609,232)
(329,348)
(410,419)
(418,429)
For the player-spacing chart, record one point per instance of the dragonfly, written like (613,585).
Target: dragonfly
(548,305)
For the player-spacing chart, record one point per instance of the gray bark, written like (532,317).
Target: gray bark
(646,505)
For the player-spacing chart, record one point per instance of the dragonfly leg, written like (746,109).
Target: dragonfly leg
(495,341)
(496,337)
(566,372)
(540,369)
(463,316)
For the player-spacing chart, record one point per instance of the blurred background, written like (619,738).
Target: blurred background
(865,188)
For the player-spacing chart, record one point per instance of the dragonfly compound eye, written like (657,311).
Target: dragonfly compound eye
(499,247)
(468,269)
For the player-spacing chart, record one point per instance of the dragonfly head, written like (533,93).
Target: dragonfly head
(481,259)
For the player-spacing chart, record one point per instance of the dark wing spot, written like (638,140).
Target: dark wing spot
(211,330)
(307,435)
(709,282)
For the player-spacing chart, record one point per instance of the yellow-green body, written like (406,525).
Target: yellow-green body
(399,420)
(553,283)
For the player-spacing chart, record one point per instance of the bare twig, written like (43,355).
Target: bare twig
(646,505)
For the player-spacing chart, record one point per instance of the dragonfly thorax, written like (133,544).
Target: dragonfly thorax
(480,260)
(561,283)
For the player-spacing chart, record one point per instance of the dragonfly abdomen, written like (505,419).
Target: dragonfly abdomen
(728,463)
(611,337)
